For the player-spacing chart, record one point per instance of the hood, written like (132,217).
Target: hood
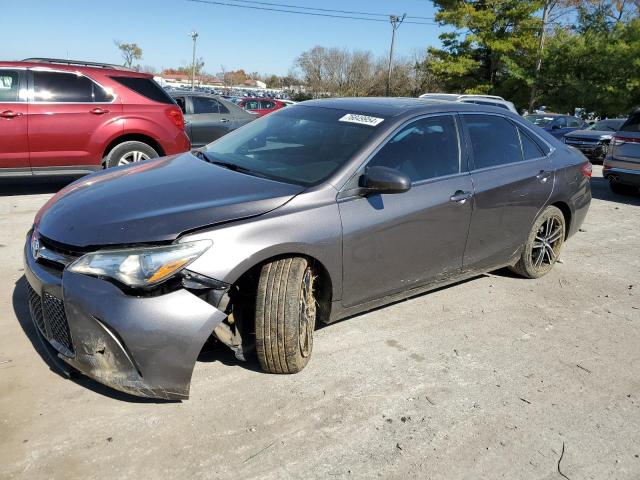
(156,201)
(591,134)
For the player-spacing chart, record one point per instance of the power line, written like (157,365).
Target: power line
(316,14)
(350,12)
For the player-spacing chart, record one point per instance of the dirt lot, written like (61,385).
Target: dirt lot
(485,379)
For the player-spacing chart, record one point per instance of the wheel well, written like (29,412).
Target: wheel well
(566,213)
(246,285)
(130,137)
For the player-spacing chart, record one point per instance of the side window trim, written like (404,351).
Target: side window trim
(31,87)
(348,187)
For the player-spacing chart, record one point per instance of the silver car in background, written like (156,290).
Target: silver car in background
(208,117)
(486,100)
(622,163)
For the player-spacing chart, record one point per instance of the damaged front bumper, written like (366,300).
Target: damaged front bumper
(145,346)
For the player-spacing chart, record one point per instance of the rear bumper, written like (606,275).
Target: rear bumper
(179,145)
(622,175)
(145,346)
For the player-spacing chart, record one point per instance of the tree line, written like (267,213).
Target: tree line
(560,54)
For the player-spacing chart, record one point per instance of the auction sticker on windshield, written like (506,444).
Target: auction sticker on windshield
(361,119)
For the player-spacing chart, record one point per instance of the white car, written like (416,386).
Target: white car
(489,100)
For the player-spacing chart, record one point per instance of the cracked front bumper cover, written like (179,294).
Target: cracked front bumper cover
(145,346)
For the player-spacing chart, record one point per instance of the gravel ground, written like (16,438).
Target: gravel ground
(490,378)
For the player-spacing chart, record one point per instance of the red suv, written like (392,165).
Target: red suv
(62,116)
(261,106)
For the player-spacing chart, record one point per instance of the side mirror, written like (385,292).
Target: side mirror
(555,127)
(384,180)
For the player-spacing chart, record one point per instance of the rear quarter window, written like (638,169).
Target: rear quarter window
(145,87)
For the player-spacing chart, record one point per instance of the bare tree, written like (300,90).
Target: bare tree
(129,52)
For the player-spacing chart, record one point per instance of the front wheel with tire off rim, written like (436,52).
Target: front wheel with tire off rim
(543,245)
(129,152)
(285,315)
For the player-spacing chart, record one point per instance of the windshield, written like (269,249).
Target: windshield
(540,120)
(299,144)
(606,125)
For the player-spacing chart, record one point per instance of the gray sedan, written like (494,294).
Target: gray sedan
(209,117)
(313,213)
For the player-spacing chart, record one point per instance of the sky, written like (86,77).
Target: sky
(263,41)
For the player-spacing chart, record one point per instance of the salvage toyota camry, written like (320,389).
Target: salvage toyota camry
(314,213)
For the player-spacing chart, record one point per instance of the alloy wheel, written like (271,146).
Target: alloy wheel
(547,243)
(133,156)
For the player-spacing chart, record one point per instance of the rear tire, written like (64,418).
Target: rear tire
(543,245)
(285,315)
(129,152)
(622,189)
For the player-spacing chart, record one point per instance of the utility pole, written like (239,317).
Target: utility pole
(538,67)
(395,24)
(194,36)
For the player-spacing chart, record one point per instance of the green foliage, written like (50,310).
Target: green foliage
(495,43)
(597,69)
(492,49)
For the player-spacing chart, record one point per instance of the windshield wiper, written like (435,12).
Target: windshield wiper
(228,165)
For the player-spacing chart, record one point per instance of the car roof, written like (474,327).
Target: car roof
(396,106)
(74,66)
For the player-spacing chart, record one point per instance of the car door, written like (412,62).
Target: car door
(513,178)
(206,121)
(14,143)
(70,116)
(396,242)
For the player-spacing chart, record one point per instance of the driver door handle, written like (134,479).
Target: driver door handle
(461,197)
(224,120)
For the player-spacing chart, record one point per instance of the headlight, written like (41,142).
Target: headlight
(140,267)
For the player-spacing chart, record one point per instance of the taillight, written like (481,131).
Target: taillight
(586,169)
(617,140)
(175,114)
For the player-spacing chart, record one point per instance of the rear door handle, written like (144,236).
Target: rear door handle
(543,176)
(98,111)
(460,196)
(10,114)
(224,120)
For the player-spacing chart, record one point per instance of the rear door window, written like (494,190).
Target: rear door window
(222,108)
(530,149)
(59,87)
(204,105)
(427,148)
(494,140)
(145,87)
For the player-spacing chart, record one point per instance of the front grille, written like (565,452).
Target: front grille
(583,141)
(50,317)
(35,304)
(56,321)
